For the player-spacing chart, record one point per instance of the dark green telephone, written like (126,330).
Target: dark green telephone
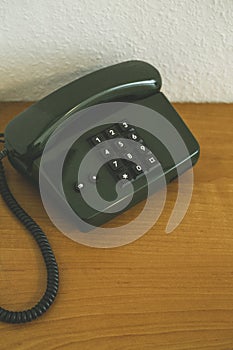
(26,137)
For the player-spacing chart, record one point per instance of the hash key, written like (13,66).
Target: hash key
(151,162)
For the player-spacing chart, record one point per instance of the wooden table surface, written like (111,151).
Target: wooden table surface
(160,292)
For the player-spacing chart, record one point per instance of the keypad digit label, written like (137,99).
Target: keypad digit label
(115,164)
(112,132)
(106,152)
(133,136)
(142,148)
(124,126)
(95,140)
(120,144)
(137,169)
(125,159)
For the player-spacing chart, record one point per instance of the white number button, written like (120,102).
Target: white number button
(112,132)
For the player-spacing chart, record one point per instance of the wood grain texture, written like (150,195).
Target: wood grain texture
(161,292)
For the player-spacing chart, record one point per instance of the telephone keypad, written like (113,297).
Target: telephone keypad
(128,162)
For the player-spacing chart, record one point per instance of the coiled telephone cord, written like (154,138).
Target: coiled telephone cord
(51,265)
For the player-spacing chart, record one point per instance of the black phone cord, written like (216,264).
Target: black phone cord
(51,265)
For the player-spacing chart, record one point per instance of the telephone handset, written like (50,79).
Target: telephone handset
(128,81)
(26,136)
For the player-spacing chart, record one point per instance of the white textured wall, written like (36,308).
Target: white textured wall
(46,43)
